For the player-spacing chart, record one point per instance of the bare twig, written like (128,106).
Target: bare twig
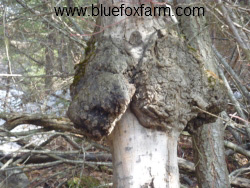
(232,73)
(50,23)
(234,30)
(241,182)
(236,148)
(233,99)
(37,76)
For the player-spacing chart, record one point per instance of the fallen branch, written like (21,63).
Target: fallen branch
(241,182)
(233,100)
(93,158)
(45,121)
(236,148)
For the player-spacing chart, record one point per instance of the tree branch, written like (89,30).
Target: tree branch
(236,148)
(230,24)
(232,73)
(45,121)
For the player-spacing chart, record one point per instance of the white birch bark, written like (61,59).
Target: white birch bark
(143,157)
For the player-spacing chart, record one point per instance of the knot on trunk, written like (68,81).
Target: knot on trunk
(164,87)
(172,86)
(101,91)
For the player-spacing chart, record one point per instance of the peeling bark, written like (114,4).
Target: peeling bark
(143,157)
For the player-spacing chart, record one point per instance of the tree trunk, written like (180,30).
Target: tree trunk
(140,73)
(208,145)
(143,157)
(49,62)
(209,156)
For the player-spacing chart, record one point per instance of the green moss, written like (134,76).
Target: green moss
(211,82)
(81,67)
(88,48)
(192,49)
(182,36)
(80,71)
(84,182)
(212,79)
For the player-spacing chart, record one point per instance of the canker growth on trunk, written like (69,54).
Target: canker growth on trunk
(207,133)
(141,72)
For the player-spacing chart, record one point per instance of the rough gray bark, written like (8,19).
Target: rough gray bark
(169,85)
(143,64)
(208,145)
(210,165)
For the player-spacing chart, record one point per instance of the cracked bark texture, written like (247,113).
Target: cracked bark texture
(142,81)
(210,165)
(103,93)
(164,87)
(207,132)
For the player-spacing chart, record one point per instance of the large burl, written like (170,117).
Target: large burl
(166,87)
